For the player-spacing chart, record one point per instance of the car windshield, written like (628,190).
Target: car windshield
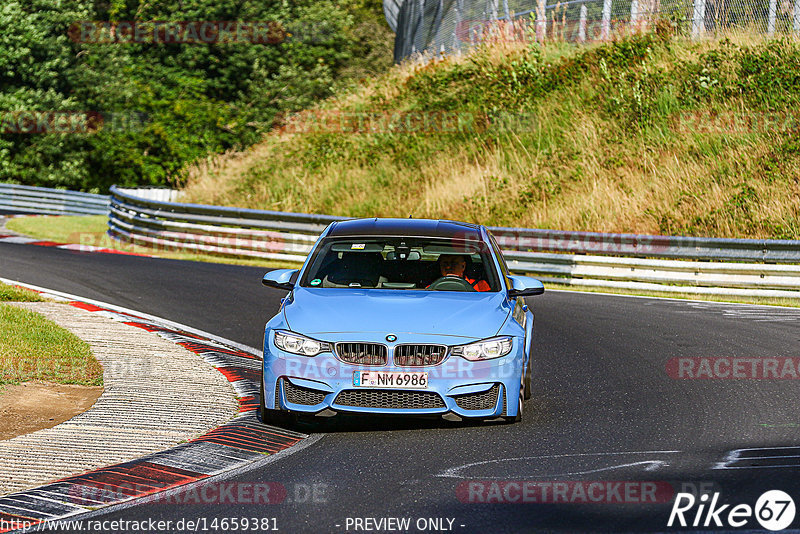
(402,263)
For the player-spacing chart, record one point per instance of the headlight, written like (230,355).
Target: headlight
(297,344)
(484,350)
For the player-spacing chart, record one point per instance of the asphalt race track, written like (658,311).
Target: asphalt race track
(606,414)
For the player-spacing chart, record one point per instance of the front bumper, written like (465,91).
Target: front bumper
(323,385)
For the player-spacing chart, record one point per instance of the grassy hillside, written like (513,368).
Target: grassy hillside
(649,134)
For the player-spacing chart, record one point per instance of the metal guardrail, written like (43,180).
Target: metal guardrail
(214,230)
(649,246)
(45,201)
(153,193)
(660,263)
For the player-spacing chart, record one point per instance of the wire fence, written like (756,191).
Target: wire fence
(430,27)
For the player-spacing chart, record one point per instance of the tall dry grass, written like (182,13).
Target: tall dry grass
(586,166)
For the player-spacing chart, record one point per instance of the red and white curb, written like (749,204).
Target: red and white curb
(230,447)
(74,247)
(8,236)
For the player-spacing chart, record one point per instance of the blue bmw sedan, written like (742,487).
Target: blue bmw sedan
(407,317)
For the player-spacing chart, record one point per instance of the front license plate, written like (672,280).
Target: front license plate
(389,379)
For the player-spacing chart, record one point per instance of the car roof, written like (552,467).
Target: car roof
(406,227)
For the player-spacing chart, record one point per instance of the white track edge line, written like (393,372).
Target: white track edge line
(677,299)
(156,319)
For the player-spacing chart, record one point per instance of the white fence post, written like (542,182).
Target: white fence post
(509,31)
(458,30)
(773,10)
(606,25)
(582,25)
(634,15)
(698,20)
(797,16)
(541,21)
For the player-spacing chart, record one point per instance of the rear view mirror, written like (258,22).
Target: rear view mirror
(281,279)
(525,286)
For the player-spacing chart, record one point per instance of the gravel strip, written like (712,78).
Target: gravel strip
(157,394)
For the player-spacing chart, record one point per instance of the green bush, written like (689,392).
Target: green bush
(177,102)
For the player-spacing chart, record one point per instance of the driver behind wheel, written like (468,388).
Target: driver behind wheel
(456,265)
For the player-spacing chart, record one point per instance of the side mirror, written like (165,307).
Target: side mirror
(525,286)
(281,279)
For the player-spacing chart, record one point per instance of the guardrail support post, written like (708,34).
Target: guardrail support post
(582,25)
(699,18)
(634,15)
(605,31)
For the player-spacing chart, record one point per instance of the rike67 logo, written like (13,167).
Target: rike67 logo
(774,510)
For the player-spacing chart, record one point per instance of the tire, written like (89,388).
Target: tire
(520,402)
(528,378)
(272,417)
(261,408)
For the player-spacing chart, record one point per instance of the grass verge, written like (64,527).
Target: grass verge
(91,230)
(761,301)
(17,294)
(34,348)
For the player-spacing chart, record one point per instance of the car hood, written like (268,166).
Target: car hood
(337,310)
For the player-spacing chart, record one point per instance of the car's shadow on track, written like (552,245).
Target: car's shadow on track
(357,423)
(344,423)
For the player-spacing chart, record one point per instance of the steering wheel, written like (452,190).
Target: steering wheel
(451,283)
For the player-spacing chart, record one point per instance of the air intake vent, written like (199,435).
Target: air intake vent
(419,355)
(362,353)
(301,395)
(393,400)
(485,400)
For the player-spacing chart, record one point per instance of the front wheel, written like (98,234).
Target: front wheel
(528,379)
(520,401)
(273,417)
